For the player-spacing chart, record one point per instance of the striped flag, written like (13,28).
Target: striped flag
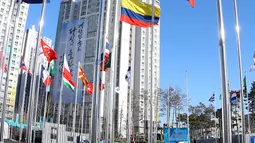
(212,99)
(234,96)
(67,77)
(46,77)
(107,50)
(22,64)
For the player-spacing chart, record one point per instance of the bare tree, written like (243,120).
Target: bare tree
(171,99)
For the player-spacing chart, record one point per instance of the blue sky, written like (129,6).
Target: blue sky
(189,41)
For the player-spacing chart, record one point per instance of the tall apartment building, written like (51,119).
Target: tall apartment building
(17,48)
(133,43)
(29,44)
(142,40)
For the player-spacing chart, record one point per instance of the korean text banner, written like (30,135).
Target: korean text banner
(72,41)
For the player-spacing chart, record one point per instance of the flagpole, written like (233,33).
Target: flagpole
(113,69)
(227,137)
(168,113)
(31,98)
(75,101)
(102,96)
(8,72)
(22,106)
(37,96)
(187,103)
(152,72)
(130,95)
(215,117)
(97,74)
(45,101)
(45,107)
(82,111)
(246,83)
(108,110)
(60,102)
(6,37)
(240,69)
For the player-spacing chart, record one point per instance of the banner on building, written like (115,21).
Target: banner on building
(72,41)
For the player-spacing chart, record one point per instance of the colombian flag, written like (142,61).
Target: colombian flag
(138,13)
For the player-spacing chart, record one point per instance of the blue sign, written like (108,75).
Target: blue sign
(176,135)
(252,138)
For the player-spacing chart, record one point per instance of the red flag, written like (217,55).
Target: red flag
(49,53)
(89,88)
(101,85)
(5,68)
(87,85)
(2,59)
(192,3)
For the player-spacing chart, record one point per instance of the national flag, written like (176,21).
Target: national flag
(4,66)
(212,99)
(107,64)
(48,52)
(252,68)
(33,1)
(138,13)
(192,3)
(107,50)
(101,85)
(53,68)
(128,75)
(45,75)
(29,72)
(89,88)
(244,85)
(2,57)
(67,77)
(22,64)
(82,76)
(220,97)
(234,96)
(87,85)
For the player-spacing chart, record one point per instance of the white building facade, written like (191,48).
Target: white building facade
(16,48)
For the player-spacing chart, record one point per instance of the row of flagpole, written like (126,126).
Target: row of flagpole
(95,96)
(226,126)
(95,100)
(240,70)
(95,104)
(31,97)
(9,62)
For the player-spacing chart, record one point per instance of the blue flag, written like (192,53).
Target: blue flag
(33,1)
